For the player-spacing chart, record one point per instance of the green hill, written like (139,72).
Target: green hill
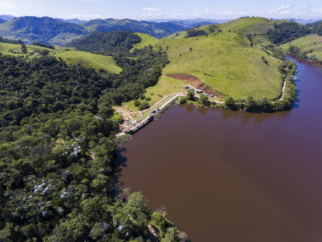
(89,60)
(223,61)
(15,49)
(145,40)
(311,42)
(57,32)
(257,27)
(34,29)
(113,42)
(151,28)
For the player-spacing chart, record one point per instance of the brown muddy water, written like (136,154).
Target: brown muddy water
(235,176)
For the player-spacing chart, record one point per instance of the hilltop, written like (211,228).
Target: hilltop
(308,47)
(261,30)
(224,61)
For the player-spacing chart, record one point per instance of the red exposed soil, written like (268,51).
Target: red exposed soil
(194,81)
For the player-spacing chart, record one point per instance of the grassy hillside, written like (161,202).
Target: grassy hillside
(312,41)
(89,60)
(245,25)
(145,40)
(165,86)
(236,69)
(73,56)
(5,49)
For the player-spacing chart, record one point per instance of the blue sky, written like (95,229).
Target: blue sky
(164,9)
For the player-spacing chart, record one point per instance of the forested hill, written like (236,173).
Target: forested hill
(172,27)
(116,41)
(317,29)
(288,31)
(58,158)
(2,21)
(44,30)
(58,32)
(151,28)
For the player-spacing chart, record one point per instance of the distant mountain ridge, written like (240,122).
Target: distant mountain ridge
(59,31)
(7,17)
(151,28)
(73,21)
(44,30)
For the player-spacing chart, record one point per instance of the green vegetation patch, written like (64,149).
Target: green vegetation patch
(122,139)
(15,50)
(89,60)
(310,42)
(164,87)
(145,40)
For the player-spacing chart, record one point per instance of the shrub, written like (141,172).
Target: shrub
(191,94)
(147,98)
(203,100)
(264,60)
(137,103)
(142,96)
(144,105)
(183,100)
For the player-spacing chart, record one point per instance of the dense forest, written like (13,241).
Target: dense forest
(285,32)
(58,158)
(116,41)
(42,29)
(4,40)
(298,53)
(43,45)
(317,29)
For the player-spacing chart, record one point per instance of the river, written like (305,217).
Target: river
(235,176)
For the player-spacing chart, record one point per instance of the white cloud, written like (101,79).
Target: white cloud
(207,9)
(91,0)
(182,11)
(80,16)
(7,4)
(303,8)
(151,9)
(283,8)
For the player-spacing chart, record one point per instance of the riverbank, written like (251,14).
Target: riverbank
(250,161)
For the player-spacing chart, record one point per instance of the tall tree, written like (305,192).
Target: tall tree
(23,48)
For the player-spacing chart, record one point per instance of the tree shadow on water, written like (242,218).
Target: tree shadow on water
(122,159)
(202,110)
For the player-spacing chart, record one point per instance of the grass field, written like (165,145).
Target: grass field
(31,49)
(73,57)
(246,25)
(165,86)
(308,42)
(255,25)
(237,69)
(145,40)
(89,60)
